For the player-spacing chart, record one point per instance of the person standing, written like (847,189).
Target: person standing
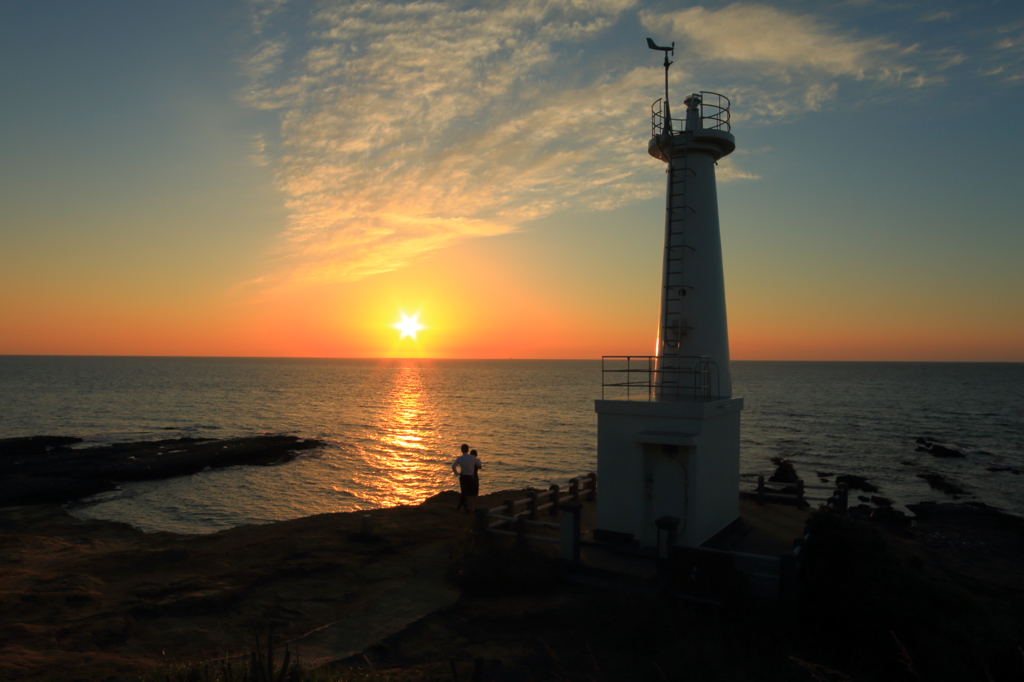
(466,467)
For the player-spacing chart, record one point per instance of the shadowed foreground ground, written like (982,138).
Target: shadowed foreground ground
(92,599)
(89,600)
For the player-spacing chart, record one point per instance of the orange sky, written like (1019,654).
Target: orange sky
(178,183)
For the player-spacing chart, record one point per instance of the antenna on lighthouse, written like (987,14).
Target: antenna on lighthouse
(651,44)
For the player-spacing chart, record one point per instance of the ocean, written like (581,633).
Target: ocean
(392,427)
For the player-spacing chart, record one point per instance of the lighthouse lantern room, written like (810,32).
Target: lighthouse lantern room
(668,426)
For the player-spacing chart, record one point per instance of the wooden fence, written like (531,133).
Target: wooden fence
(514,517)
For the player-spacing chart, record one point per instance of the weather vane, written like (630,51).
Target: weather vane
(666,50)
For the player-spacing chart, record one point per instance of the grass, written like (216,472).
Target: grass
(258,666)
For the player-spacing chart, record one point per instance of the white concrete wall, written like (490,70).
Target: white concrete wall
(715,474)
(695,324)
(703,473)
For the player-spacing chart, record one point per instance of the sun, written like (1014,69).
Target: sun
(408,326)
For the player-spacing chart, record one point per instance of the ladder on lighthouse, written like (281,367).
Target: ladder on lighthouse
(675,380)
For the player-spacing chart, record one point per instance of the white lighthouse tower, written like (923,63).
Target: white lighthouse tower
(668,441)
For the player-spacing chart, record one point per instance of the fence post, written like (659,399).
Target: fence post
(801,503)
(574,489)
(553,499)
(521,532)
(571,531)
(760,490)
(592,494)
(510,510)
(533,505)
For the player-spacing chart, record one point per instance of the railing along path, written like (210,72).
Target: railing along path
(513,517)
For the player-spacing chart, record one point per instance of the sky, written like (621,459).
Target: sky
(284,178)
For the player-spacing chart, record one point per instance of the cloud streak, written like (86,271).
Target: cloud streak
(408,127)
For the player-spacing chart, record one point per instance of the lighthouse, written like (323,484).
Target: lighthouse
(668,424)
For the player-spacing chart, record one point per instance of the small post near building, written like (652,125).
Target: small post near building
(668,433)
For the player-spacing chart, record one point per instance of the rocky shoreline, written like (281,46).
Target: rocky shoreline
(48,470)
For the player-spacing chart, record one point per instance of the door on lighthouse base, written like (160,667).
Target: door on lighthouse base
(666,477)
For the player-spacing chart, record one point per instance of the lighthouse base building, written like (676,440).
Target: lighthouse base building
(667,460)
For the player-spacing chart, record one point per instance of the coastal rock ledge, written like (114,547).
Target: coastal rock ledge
(47,470)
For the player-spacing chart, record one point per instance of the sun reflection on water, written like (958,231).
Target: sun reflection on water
(407,466)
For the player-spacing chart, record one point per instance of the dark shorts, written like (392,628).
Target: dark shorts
(470,485)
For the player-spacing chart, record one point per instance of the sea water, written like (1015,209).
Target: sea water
(392,427)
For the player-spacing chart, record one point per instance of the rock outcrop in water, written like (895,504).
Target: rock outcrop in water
(939,482)
(857,483)
(936,449)
(46,470)
(784,471)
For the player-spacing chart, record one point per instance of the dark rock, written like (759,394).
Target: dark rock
(857,483)
(942,451)
(939,482)
(863,498)
(18,490)
(892,517)
(43,470)
(34,445)
(932,447)
(1013,470)
(823,474)
(977,513)
(784,471)
(908,463)
(881,501)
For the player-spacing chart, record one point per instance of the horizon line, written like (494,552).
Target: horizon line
(589,359)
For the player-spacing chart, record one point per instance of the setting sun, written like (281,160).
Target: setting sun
(409,326)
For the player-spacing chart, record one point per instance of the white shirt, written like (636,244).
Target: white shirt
(468,464)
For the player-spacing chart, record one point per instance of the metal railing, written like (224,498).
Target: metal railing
(714,109)
(648,377)
(714,115)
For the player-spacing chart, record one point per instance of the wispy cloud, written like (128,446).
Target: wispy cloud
(782,63)
(760,34)
(406,127)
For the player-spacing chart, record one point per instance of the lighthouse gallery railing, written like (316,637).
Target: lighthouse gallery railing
(714,114)
(636,377)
